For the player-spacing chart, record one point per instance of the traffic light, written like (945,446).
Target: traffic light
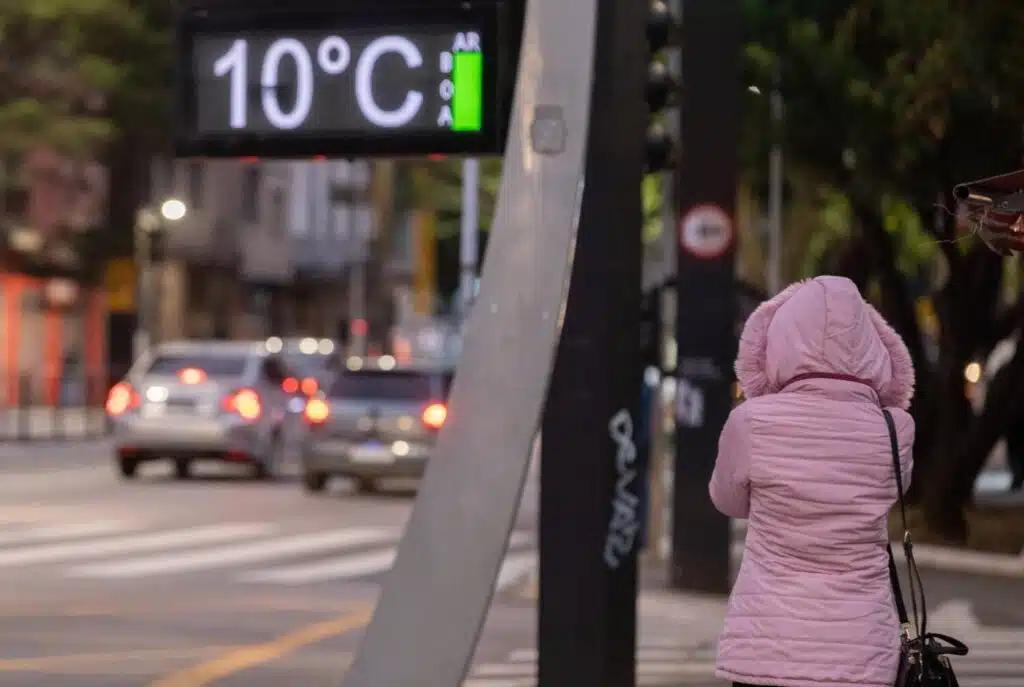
(661,85)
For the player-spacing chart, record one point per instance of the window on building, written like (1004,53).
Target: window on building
(195,185)
(277,216)
(251,194)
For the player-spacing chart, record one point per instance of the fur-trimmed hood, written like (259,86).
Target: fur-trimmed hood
(823,326)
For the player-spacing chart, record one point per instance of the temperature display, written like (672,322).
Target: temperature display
(339,84)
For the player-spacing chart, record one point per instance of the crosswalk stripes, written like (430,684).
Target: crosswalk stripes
(246,552)
(996,657)
(45,533)
(341,567)
(206,559)
(134,543)
(657,662)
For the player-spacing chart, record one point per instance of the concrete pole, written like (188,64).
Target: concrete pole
(469,237)
(143,277)
(775,174)
(357,308)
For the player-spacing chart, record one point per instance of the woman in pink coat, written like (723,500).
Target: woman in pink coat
(807,460)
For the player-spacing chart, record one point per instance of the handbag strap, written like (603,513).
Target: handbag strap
(913,575)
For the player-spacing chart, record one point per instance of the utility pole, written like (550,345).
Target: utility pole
(591,515)
(706,296)
(775,174)
(469,236)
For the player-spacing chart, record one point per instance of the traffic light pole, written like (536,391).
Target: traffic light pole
(591,514)
(706,324)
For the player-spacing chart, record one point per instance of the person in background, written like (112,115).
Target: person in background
(1002,353)
(807,459)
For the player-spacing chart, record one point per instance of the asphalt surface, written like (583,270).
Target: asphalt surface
(223,580)
(220,579)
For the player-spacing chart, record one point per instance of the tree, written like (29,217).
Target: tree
(888,104)
(87,79)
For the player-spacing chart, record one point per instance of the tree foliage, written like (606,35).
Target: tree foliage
(889,103)
(68,67)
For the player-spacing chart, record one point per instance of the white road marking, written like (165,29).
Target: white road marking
(223,556)
(515,566)
(339,568)
(131,543)
(44,533)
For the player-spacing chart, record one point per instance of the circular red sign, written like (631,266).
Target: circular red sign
(706,231)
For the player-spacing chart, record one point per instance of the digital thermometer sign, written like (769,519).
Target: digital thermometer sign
(266,81)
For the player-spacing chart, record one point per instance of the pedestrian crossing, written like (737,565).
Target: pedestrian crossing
(249,553)
(996,658)
(660,662)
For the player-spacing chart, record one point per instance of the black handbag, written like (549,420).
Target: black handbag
(924,656)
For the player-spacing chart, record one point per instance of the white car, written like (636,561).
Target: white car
(200,400)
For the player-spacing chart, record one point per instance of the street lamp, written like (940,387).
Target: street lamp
(173,210)
(150,225)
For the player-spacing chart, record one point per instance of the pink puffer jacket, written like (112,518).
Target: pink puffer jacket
(807,460)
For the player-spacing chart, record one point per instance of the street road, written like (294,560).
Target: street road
(217,580)
(223,580)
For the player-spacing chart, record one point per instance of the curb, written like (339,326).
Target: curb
(965,561)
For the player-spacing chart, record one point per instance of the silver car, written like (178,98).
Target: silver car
(373,423)
(197,400)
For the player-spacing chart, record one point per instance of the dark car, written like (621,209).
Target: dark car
(373,423)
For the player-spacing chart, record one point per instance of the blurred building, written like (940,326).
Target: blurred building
(265,248)
(52,310)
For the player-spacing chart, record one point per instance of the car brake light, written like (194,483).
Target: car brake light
(121,399)
(434,415)
(310,386)
(192,375)
(290,385)
(317,411)
(245,402)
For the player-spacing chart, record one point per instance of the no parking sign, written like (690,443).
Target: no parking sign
(706,231)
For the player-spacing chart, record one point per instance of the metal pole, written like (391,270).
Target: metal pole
(456,536)
(775,196)
(591,505)
(142,257)
(706,285)
(357,307)
(469,236)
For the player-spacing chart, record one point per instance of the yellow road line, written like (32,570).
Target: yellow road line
(48,663)
(248,656)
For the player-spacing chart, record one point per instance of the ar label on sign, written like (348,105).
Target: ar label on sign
(706,231)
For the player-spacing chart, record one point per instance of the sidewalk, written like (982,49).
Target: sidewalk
(675,643)
(35,423)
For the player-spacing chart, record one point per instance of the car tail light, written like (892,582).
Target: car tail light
(317,411)
(434,415)
(245,402)
(192,375)
(121,399)
(310,386)
(290,385)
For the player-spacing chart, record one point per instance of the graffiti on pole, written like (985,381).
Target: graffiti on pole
(625,521)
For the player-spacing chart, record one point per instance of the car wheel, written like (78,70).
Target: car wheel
(182,468)
(127,467)
(314,481)
(366,485)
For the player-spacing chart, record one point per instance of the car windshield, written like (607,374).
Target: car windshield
(226,365)
(392,386)
(308,364)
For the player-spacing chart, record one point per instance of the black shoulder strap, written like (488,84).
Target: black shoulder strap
(894,576)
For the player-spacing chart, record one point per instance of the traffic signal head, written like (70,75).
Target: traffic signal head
(661,86)
(660,25)
(660,148)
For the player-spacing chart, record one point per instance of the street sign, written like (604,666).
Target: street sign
(706,231)
(341,79)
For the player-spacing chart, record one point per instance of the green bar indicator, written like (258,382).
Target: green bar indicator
(467,100)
